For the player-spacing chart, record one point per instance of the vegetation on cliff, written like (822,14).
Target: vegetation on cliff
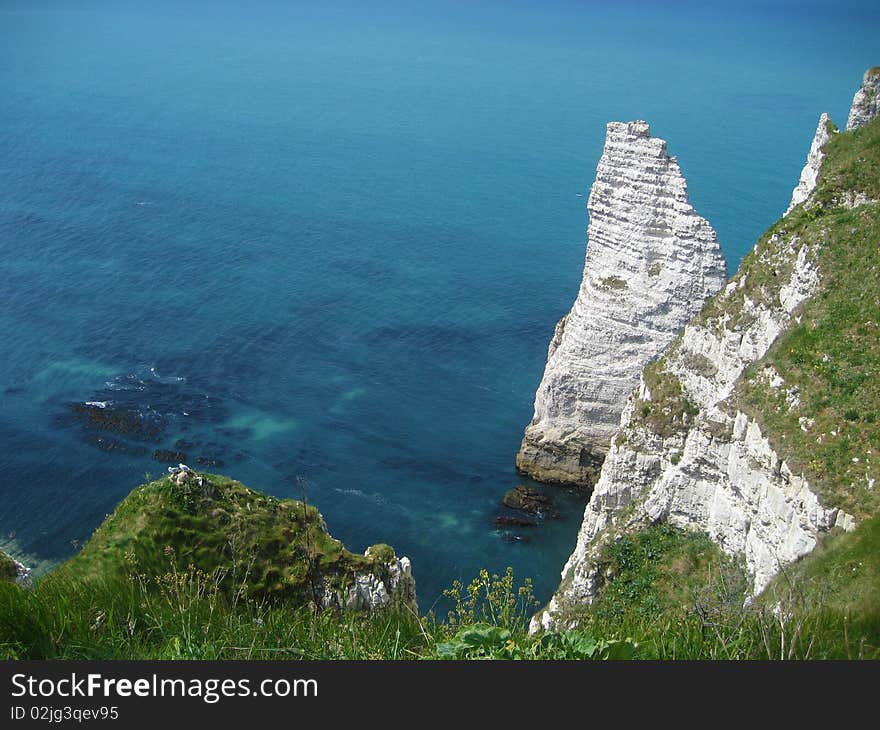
(816,396)
(831,359)
(206,568)
(677,596)
(8,569)
(254,544)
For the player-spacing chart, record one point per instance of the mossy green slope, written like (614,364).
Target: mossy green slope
(257,544)
(8,569)
(840,579)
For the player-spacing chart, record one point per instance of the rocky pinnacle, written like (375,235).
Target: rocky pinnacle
(866,102)
(812,168)
(651,264)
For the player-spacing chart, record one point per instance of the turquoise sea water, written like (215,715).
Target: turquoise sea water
(327,245)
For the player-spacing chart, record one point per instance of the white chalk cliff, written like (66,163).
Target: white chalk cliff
(651,263)
(810,173)
(685,454)
(866,102)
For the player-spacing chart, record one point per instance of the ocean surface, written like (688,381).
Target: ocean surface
(323,247)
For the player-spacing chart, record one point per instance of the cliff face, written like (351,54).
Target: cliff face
(810,173)
(694,448)
(651,263)
(866,102)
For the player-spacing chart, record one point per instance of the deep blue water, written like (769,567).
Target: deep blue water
(328,245)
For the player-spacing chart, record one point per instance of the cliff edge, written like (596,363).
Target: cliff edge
(254,545)
(759,423)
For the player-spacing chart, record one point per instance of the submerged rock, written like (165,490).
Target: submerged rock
(169,457)
(105,416)
(527,500)
(508,521)
(651,263)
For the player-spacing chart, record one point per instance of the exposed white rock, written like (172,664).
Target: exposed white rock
(374,591)
(651,263)
(810,173)
(23,575)
(866,102)
(719,475)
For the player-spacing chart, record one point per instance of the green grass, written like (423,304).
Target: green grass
(267,547)
(668,411)
(832,355)
(668,594)
(676,596)
(657,569)
(8,570)
(187,614)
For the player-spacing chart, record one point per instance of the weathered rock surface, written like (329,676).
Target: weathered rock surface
(374,591)
(527,500)
(720,474)
(709,466)
(651,263)
(810,173)
(866,102)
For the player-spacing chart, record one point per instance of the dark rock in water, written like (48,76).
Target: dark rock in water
(115,446)
(209,461)
(183,445)
(102,416)
(513,537)
(527,500)
(143,407)
(13,390)
(172,457)
(508,521)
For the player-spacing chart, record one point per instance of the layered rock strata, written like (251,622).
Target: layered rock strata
(685,454)
(651,263)
(715,472)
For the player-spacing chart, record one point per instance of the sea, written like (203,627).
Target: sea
(322,247)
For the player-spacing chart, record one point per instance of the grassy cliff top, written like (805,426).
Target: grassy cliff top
(265,546)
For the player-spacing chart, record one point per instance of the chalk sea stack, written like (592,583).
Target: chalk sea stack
(651,264)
